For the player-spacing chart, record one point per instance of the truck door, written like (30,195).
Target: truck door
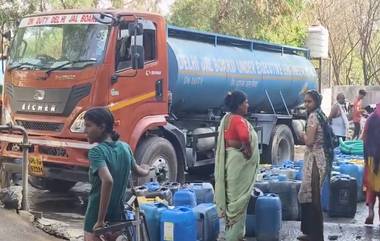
(137,93)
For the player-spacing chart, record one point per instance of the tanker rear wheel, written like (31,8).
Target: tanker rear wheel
(281,146)
(158,152)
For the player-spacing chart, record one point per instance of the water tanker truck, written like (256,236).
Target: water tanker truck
(165,86)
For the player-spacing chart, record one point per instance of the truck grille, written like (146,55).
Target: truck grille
(47,150)
(41,126)
(17,148)
(52,151)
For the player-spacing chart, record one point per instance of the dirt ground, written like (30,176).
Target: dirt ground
(16,228)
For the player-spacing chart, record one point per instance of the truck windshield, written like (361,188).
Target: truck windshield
(49,46)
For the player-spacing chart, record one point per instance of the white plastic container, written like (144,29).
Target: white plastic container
(318,41)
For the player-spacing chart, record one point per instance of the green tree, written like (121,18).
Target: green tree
(368,18)
(71,4)
(14,10)
(278,21)
(141,5)
(338,17)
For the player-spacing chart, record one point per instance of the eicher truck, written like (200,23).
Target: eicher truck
(165,86)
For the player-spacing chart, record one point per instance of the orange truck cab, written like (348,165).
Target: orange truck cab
(89,71)
(63,63)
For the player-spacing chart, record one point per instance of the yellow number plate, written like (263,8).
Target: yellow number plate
(36,166)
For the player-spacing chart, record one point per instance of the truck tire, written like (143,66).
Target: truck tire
(53,185)
(158,152)
(281,145)
(58,186)
(298,128)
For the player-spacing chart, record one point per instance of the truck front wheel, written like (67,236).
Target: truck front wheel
(53,185)
(281,145)
(157,152)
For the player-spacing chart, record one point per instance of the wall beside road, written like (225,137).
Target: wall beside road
(329,95)
(327,100)
(373,96)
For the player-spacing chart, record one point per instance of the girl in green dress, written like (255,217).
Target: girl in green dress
(111,162)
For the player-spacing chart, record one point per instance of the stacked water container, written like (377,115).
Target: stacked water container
(200,197)
(268,214)
(345,188)
(343,196)
(193,216)
(153,214)
(283,180)
(341,193)
(264,216)
(355,171)
(163,221)
(178,224)
(274,199)
(153,192)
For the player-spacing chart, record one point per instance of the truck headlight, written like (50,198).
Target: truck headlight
(6,117)
(78,124)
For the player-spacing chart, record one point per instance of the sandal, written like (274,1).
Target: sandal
(368,220)
(303,237)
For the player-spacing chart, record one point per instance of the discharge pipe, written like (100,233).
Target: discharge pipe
(25,151)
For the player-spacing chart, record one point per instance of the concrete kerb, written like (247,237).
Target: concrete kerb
(27,216)
(58,229)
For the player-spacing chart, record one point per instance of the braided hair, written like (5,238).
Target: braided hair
(103,116)
(329,139)
(316,97)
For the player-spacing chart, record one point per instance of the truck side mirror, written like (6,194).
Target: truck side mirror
(105,18)
(4,51)
(136,31)
(135,28)
(137,57)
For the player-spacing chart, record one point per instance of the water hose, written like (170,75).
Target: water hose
(352,147)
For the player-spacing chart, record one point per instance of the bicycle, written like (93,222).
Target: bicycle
(132,229)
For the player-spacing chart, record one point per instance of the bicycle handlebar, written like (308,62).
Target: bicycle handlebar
(120,225)
(114,227)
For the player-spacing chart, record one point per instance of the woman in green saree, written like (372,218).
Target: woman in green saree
(237,159)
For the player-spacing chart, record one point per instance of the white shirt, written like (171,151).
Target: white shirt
(340,124)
